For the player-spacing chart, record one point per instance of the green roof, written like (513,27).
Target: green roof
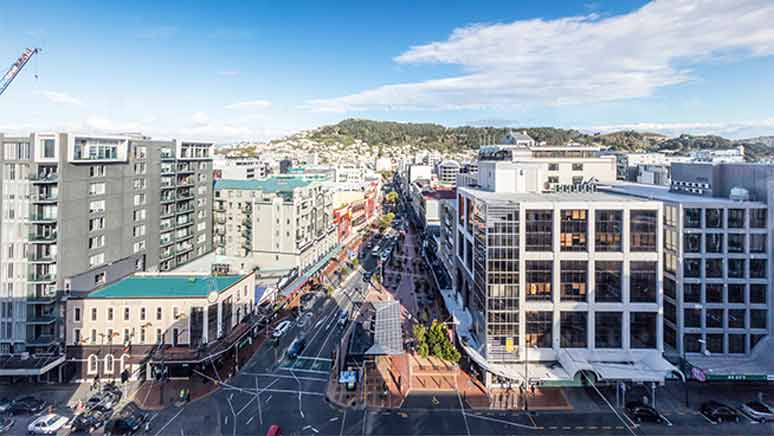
(271,184)
(165,286)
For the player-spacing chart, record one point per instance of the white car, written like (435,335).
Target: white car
(47,424)
(281,329)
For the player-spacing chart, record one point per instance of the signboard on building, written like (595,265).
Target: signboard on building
(509,345)
(737,377)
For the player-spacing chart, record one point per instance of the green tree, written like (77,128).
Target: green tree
(420,334)
(386,220)
(439,344)
(391,197)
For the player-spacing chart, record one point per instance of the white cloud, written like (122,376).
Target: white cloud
(574,60)
(200,119)
(251,104)
(61,98)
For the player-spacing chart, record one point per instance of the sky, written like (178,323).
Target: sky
(230,71)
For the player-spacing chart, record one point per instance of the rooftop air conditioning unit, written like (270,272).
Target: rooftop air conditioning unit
(739,194)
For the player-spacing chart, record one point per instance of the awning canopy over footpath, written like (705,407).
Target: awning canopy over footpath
(388,336)
(759,366)
(303,278)
(18,366)
(571,365)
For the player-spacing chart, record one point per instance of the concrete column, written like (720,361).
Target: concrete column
(522,280)
(591,282)
(205,330)
(557,229)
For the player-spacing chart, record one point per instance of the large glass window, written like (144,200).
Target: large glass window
(758,319)
(713,218)
(758,218)
(692,242)
(692,317)
(539,230)
(736,268)
(758,268)
(735,293)
(692,344)
(736,344)
(714,292)
(608,230)
(714,242)
(539,329)
(736,243)
(692,268)
(642,285)
(670,312)
(713,268)
(574,330)
(643,230)
(608,281)
(539,279)
(574,227)
(670,288)
(736,318)
(715,343)
(670,216)
(573,280)
(714,318)
(758,243)
(692,218)
(735,218)
(692,293)
(607,329)
(758,294)
(643,329)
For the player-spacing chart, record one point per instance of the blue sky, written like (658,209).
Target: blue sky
(231,71)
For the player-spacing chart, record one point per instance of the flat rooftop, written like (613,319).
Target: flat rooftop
(271,184)
(166,286)
(662,193)
(524,197)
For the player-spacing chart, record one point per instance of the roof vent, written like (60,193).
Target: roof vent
(739,194)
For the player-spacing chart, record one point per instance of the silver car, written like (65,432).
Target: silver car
(758,410)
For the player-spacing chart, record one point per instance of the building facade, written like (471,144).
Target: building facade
(240,168)
(447,172)
(87,205)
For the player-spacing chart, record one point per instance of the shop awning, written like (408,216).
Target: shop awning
(14,366)
(303,278)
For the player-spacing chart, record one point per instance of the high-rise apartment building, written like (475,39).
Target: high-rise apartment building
(79,211)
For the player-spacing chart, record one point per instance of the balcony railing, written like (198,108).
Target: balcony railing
(41,277)
(40,217)
(44,178)
(42,257)
(45,197)
(42,237)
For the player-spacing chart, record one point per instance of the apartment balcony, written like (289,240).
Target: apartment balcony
(167,254)
(182,196)
(165,242)
(42,218)
(42,341)
(184,209)
(247,222)
(168,156)
(247,232)
(185,181)
(166,226)
(44,178)
(38,277)
(167,170)
(185,169)
(41,258)
(185,223)
(219,206)
(41,300)
(45,197)
(220,220)
(44,238)
(41,319)
(184,237)
(168,199)
(184,249)
(168,212)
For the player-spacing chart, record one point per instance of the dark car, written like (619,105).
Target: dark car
(127,425)
(6,422)
(641,412)
(27,405)
(296,347)
(719,412)
(105,399)
(5,403)
(90,421)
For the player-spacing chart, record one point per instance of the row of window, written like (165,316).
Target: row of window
(733,293)
(718,318)
(643,230)
(713,242)
(735,268)
(110,313)
(715,218)
(608,329)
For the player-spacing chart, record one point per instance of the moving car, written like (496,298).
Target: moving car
(281,329)
(758,410)
(107,399)
(343,318)
(296,347)
(5,403)
(124,426)
(718,412)
(47,424)
(6,422)
(274,430)
(27,405)
(641,412)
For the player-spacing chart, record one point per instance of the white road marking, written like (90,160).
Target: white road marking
(258,401)
(266,374)
(668,422)
(343,418)
(335,418)
(268,399)
(708,420)
(250,420)
(169,422)
(300,409)
(502,421)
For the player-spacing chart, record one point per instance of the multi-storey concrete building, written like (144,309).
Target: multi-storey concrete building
(447,172)
(240,168)
(96,207)
(283,222)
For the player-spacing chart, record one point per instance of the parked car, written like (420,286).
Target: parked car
(718,412)
(27,405)
(758,410)
(47,424)
(281,329)
(296,347)
(641,412)
(129,423)
(106,399)
(274,430)
(5,403)
(6,422)
(90,421)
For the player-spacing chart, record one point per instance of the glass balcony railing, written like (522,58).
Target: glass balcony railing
(44,178)
(42,237)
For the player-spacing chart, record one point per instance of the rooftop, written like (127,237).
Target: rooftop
(166,286)
(517,197)
(271,184)
(662,193)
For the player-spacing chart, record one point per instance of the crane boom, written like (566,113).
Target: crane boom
(16,68)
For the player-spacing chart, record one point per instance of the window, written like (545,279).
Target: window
(715,343)
(736,243)
(642,283)
(92,366)
(735,293)
(539,279)
(97,188)
(671,240)
(736,318)
(97,259)
(139,168)
(736,268)
(573,280)
(49,150)
(553,179)
(139,215)
(76,336)
(110,314)
(692,317)
(692,344)
(608,282)
(574,227)
(758,318)
(758,294)
(109,364)
(138,231)
(126,313)
(758,268)
(692,242)
(96,224)
(577,180)
(608,230)
(140,152)
(713,218)
(670,312)
(735,218)
(96,206)
(539,230)
(553,167)
(577,167)
(643,330)
(670,288)
(139,199)
(714,318)
(573,329)
(93,336)
(139,184)
(643,229)
(97,171)
(96,242)
(713,268)
(670,263)
(758,218)
(714,242)
(692,293)
(692,218)
(159,336)
(757,243)
(142,314)
(158,314)
(539,329)
(607,329)
(692,268)
(93,313)
(714,293)
(736,344)
(77,314)
(142,335)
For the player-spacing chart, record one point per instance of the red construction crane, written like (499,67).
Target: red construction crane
(17,67)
